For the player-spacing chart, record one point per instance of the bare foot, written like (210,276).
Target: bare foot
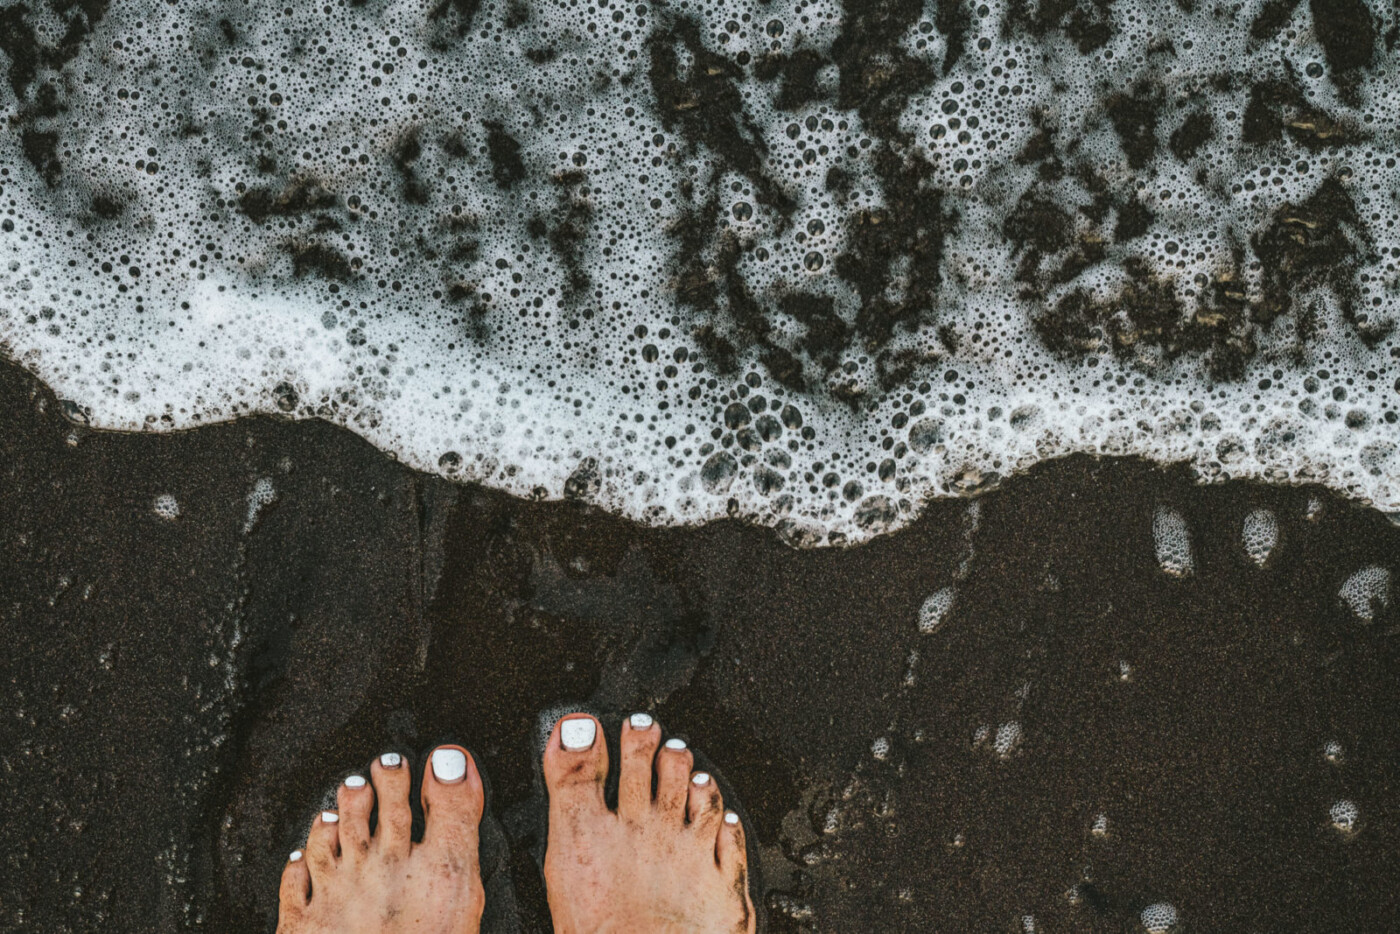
(350,880)
(672,861)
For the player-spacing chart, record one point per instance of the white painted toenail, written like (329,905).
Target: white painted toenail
(578,734)
(640,721)
(700,778)
(295,857)
(449,765)
(355,781)
(731,818)
(675,743)
(329,817)
(391,760)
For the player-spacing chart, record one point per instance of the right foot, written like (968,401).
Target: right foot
(666,862)
(349,880)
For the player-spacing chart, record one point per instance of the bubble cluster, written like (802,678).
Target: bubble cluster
(260,497)
(935,609)
(1172,541)
(1344,816)
(1367,592)
(1007,739)
(166,507)
(1259,534)
(1159,918)
(722,258)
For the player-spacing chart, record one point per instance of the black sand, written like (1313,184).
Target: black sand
(180,695)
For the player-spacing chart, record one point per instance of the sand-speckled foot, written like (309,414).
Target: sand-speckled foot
(670,859)
(351,881)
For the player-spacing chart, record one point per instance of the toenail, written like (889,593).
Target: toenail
(675,743)
(578,734)
(295,857)
(329,817)
(731,818)
(449,765)
(391,760)
(700,778)
(640,721)
(355,781)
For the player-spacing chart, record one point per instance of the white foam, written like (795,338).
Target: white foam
(1007,739)
(448,330)
(260,497)
(935,609)
(1345,816)
(166,507)
(1259,535)
(1172,541)
(1367,592)
(1159,918)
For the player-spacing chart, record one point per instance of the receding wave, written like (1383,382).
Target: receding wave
(808,264)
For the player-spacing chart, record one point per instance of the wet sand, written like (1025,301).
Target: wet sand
(180,695)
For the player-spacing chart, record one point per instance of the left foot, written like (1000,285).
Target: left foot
(351,881)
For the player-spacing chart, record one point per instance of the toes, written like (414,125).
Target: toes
(673,765)
(323,846)
(295,890)
(393,834)
(729,847)
(575,764)
(704,806)
(640,737)
(453,800)
(354,801)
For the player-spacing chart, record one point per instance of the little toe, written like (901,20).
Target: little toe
(355,802)
(323,846)
(393,834)
(640,738)
(453,801)
(575,764)
(673,766)
(705,805)
(294,891)
(730,849)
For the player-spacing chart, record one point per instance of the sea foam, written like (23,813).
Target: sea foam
(798,263)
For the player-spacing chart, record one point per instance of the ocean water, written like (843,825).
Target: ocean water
(807,264)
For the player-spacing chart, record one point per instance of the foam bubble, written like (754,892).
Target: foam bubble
(935,609)
(1172,541)
(1159,918)
(260,497)
(1367,592)
(1259,535)
(1008,738)
(1345,817)
(166,507)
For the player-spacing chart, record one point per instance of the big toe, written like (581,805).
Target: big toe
(576,763)
(453,801)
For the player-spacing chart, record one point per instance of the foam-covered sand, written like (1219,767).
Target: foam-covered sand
(789,262)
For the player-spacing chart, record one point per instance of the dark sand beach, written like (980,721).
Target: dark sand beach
(180,694)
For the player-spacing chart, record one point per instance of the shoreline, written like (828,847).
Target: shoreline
(184,691)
